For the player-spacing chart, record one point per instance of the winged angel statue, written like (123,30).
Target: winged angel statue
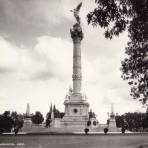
(76,12)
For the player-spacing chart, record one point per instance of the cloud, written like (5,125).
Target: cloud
(23,21)
(48,68)
(36,58)
(46,60)
(58,52)
(8,56)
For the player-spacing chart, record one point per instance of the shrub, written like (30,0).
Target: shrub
(94,123)
(88,123)
(16,130)
(105,130)
(1,130)
(123,130)
(86,130)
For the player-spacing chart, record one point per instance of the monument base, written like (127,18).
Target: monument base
(75,121)
(27,124)
(76,112)
(112,125)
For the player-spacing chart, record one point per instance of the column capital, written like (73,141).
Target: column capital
(76,33)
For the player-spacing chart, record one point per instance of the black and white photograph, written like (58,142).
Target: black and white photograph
(73,73)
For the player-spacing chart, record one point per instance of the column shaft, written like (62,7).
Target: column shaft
(77,76)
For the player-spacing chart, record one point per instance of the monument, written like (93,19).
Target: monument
(27,118)
(112,122)
(76,107)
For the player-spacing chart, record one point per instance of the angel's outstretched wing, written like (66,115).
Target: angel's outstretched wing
(76,12)
(78,7)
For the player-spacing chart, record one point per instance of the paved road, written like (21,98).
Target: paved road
(72,141)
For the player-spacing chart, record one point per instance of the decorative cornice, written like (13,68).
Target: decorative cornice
(76,33)
(76,77)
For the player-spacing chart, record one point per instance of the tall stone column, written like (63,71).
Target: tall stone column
(76,108)
(28,110)
(77,36)
(112,114)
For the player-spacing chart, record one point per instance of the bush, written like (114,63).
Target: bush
(37,118)
(6,123)
(88,123)
(94,123)
(105,130)
(123,130)
(86,130)
(16,130)
(1,130)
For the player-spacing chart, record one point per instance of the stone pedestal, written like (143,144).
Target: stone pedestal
(27,122)
(27,119)
(112,124)
(76,112)
(27,125)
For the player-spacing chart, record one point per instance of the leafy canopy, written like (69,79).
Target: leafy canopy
(116,16)
(37,118)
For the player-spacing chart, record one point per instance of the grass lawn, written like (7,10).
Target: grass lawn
(72,141)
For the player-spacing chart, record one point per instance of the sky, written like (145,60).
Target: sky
(36,59)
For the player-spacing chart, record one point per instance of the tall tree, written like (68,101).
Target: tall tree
(18,120)
(132,121)
(54,108)
(9,121)
(6,122)
(6,114)
(50,108)
(116,16)
(37,118)
(48,117)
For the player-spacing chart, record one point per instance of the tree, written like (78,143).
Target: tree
(57,114)
(54,108)
(9,121)
(18,121)
(6,122)
(116,16)
(132,121)
(50,108)
(145,122)
(119,121)
(48,119)
(6,114)
(37,118)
